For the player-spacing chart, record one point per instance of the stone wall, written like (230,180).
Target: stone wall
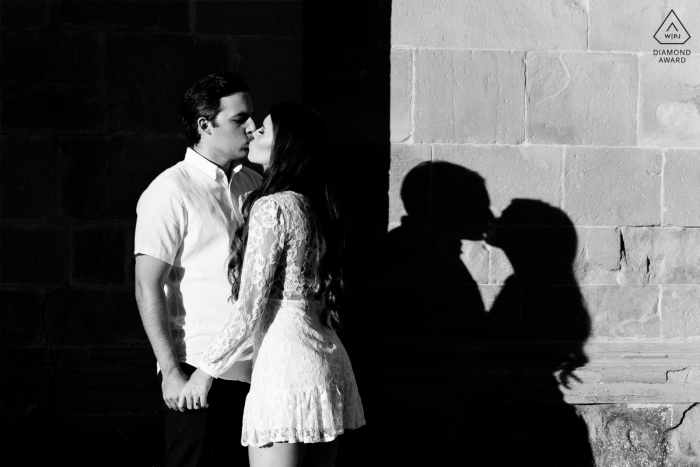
(590,152)
(90,115)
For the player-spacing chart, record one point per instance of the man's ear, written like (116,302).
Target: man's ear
(203,125)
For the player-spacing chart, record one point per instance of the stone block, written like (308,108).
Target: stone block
(93,318)
(99,256)
(629,25)
(21,14)
(475,257)
(401,94)
(20,317)
(681,188)
(33,254)
(606,186)
(598,255)
(582,99)
(486,24)
(661,255)
(405,158)
(350,88)
(246,18)
(274,79)
(510,172)
(683,439)
(469,96)
(28,177)
(623,311)
(500,268)
(622,434)
(679,311)
(58,72)
(669,96)
(158,15)
(144,89)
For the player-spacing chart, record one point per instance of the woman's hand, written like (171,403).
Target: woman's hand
(194,394)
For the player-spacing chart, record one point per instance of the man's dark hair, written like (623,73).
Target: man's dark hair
(203,99)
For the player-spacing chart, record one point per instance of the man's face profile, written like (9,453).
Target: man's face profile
(232,126)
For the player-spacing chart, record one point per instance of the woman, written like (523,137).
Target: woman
(286,279)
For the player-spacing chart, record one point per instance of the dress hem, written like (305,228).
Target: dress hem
(325,439)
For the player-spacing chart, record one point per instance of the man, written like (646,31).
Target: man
(186,220)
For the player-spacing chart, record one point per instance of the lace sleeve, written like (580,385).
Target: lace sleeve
(263,250)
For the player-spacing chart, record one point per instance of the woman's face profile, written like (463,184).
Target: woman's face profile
(261,146)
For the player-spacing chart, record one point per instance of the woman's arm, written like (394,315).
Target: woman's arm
(266,235)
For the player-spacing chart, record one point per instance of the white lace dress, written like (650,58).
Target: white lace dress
(303,389)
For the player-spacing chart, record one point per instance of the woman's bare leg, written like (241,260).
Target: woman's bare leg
(321,454)
(277,455)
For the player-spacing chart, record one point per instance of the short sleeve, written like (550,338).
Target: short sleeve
(161,222)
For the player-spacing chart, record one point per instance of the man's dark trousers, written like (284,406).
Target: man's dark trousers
(207,437)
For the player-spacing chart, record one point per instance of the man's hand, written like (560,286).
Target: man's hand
(173,382)
(194,394)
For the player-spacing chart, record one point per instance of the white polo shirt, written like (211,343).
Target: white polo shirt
(187,218)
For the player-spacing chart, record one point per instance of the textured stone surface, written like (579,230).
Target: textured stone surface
(245,18)
(44,81)
(403,159)
(156,15)
(598,255)
(469,96)
(155,78)
(623,311)
(684,440)
(669,100)
(627,435)
(99,256)
(28,171)
(679,311)
(629,25)
(580,98)
(401,94)
(682,188)
(33,254)
(475,257)
(487,24)
(510,172)
(613,186)
(661,255)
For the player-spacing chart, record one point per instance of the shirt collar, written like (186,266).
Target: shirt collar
(198,161)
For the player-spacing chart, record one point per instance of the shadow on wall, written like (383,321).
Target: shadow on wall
(510,351)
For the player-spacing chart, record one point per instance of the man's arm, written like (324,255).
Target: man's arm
(151,274)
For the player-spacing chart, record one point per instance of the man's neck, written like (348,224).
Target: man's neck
(227,165)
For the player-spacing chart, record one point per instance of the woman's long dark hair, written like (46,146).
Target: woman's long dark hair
(299,162)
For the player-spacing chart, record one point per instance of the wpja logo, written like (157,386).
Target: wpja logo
(672,32)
